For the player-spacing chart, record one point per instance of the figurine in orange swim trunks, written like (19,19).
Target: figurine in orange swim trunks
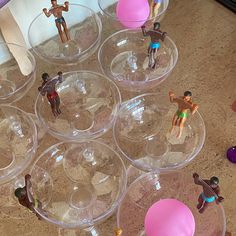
(49,87)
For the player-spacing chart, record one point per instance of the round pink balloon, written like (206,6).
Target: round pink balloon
(132,13)
(169,217)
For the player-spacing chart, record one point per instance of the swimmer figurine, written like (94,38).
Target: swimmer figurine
(154,46)
(21,194)
(49,87)
(154,6)
(210,193)
(184,104)
(56,10)
(118,232)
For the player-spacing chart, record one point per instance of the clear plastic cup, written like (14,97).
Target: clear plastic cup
(89,104)
(78,183)
(84,28)
(123,57)
(18,142)
(152,187)
(142,133)
(17,74)
(108,9)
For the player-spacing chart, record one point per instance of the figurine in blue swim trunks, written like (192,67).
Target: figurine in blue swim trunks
(156,35)
(184,104)
(210,193)
(56,10)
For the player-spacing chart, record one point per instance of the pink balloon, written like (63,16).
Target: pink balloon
(132,13)
(169,217)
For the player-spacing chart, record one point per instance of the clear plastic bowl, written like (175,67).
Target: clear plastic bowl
(152,187)
(18,142)
(123,57)
(16,78)
(142,133)
(98,230)
(89,104)
(84,27)
(108,8)
(78,183)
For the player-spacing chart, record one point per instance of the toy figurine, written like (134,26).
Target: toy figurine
(48,86)
(24,200)
(154,6)
(210,193)
(154,46)
(118,232)
(184,104)
(56,10)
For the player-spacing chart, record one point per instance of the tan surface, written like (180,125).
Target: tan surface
(205,34)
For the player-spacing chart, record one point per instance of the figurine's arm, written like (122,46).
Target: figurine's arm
(194,108)
(42,90)
(46,12)
(219,198)
(145,33)
(59,77)
(66,7)
(196,179)
(163,36)
(172,97)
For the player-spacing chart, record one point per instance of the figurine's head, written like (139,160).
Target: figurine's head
(156,26)
(214,181)
(45,77)
(187,96)
(20,192)
(54,2)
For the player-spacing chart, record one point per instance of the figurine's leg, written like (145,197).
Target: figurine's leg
(200,202)
(149,51)
(174,123)
(155,59)
(58,105)
(151,59)
(204,207)
(181,126)
(58,25)
(53,106)
(66,31)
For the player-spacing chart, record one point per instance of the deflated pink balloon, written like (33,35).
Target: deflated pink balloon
(132,13)
(169,217)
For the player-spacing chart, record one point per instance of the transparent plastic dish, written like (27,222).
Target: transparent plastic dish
(18,142)
(142,133)
(78,183)
(17,72)
(89,104)
(123,57)
(108,9)
(84,27)
(98,230)
(152,187)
